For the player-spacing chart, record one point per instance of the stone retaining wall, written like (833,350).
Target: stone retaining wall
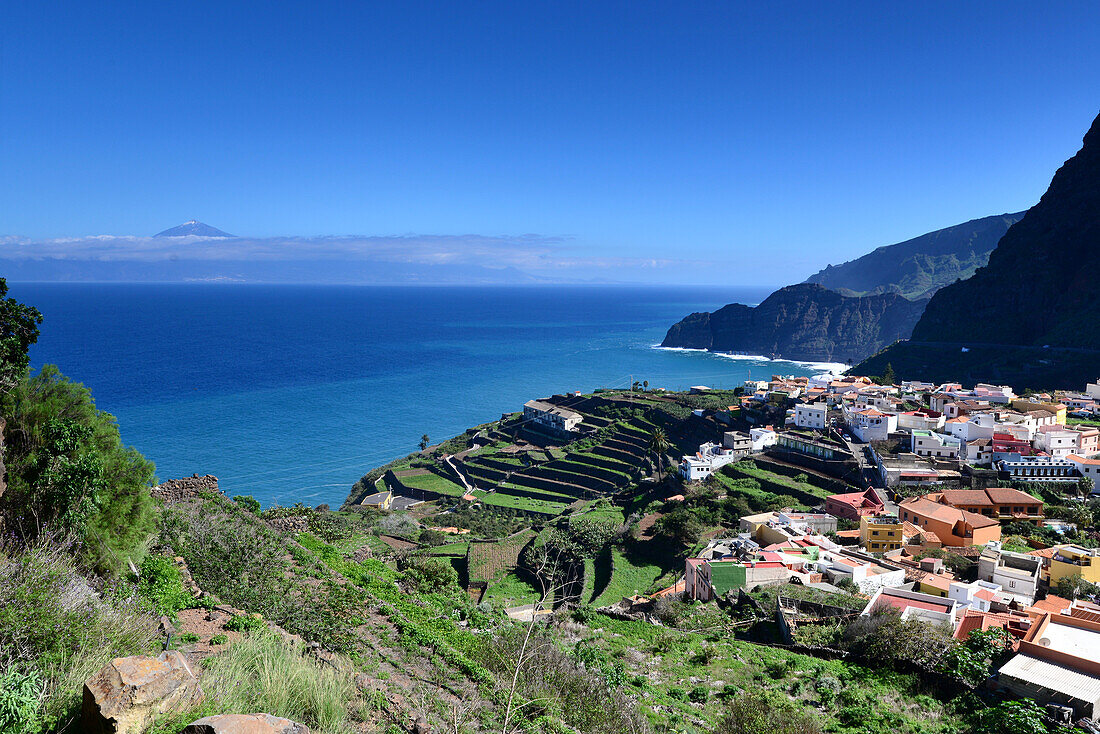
(177,490)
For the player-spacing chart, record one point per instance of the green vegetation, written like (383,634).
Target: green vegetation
(628,579)
(56,632)
(68,470)
(244,679)
(161,584)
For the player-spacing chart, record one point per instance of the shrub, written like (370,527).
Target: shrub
(699,694)
(884,639)
(68,470)
(1024,716)
(248,502)
(827,689)
(52,622)
(425,575)
(219,639)
(245,623)
(188,637)
(20,700)
(161,584)
(766,712)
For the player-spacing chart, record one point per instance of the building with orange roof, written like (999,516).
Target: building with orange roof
(1001,503)
(1052,604)
(1016,623)
(954,527)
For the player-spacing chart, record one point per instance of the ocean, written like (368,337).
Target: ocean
(291,393)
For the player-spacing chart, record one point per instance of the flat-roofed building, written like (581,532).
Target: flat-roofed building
(880,533)
(1018,574)
(1057,663)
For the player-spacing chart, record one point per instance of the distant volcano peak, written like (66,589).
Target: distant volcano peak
(194,228)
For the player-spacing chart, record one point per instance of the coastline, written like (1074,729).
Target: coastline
(834,368)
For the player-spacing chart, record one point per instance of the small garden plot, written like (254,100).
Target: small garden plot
(433,482)
(486,562)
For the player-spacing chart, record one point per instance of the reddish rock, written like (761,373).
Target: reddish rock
(124,696)
(245,724)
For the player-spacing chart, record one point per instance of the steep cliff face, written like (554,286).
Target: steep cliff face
(1039,292)
(1040,286)
(805,321)
(919,267)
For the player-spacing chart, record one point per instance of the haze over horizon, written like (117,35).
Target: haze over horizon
(568,142)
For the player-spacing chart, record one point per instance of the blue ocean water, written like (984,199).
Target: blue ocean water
(291,393)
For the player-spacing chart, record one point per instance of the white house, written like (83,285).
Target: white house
(971,427)
(708,459)
(1093,390)
(871,424)
(551,416)
(811,415)
(937,445)
(1088,468)
(1056,440)
(762,438)
(865,572)
(920,420)
(978,595)
(914,605)
(1018,574)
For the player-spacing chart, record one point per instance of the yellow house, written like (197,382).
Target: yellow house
(880,533)
(1073,560)
(935,584)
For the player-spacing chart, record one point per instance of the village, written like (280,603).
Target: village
(798,505)
(923,451)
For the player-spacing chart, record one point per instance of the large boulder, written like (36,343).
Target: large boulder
(125,695)
(245,724)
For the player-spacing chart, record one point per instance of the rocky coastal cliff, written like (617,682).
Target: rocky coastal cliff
(805,321)
(847,312)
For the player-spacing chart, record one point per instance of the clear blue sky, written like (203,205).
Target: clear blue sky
(808,131)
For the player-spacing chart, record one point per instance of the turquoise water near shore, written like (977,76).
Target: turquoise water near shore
(291,393)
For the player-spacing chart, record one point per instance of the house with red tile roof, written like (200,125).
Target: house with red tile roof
(971,620)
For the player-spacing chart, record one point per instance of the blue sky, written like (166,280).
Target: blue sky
(771,138)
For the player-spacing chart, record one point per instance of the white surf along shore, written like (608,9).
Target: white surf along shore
(835,368)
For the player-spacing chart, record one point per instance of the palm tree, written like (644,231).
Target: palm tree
(659,445)
(424,442)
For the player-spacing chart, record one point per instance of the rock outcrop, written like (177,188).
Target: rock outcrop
(245,724)
(125,695)
(805,321)
(1039,294)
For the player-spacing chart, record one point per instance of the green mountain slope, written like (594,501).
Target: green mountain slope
(918,267)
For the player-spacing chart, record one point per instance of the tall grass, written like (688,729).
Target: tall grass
(54,625)
(265,673)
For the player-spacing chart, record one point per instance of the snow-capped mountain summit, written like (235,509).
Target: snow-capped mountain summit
(193,228)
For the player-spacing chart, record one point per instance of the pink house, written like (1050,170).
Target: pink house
(854,505)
